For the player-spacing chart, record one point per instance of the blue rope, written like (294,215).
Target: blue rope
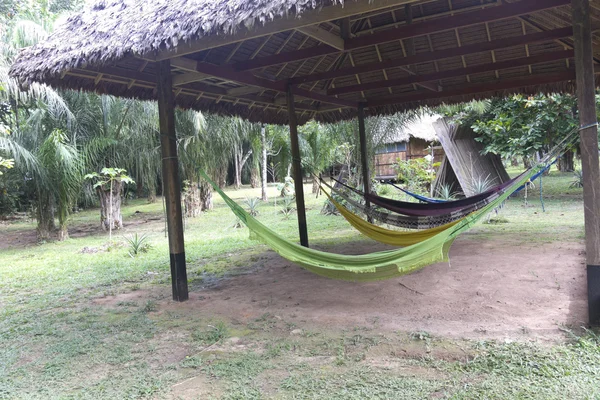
(416,196)
(541,195)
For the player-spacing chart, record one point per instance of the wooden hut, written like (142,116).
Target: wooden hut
(415,140)
(290,61)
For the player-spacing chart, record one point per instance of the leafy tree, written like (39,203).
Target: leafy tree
(109,186)
(521,126)
(63,175)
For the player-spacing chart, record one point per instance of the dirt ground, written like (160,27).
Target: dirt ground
(489,289)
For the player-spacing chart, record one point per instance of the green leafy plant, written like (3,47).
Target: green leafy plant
(6,163)
(416,173)
(288,207)
(212,335)
(577,181)
(286,188)
(480,184)
(252,204)
(383,190)
(237,224)
(446,192)
(138,244)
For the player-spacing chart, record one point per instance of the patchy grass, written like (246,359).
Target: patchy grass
(61,335)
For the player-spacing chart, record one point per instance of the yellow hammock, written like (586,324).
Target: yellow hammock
(387,236)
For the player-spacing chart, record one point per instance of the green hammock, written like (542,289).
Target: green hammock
(368,267)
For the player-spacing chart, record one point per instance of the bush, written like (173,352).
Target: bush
(416,173)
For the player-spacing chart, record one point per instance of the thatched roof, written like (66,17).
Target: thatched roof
(421,128)
(237,57)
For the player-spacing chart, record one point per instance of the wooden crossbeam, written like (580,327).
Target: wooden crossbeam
(475,89)
(537,37)
(409,31)
(148,80)
(476,69)
(456,21)
(247,78)
(323,36)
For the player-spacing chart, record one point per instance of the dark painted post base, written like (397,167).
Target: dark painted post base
(179,277)
(593,282)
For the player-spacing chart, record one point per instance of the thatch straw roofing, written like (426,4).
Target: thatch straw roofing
(236,57)
(422,128)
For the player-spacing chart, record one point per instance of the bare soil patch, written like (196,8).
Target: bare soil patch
(490,289)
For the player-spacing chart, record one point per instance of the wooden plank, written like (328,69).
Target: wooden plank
(476,88)
(586,100)
(323,36)
(505,11)
(311,17)
(537,37)
(364,160)
(297,169)
(519,62)
(172,189)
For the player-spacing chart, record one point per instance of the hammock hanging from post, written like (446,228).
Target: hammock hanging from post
(374,266)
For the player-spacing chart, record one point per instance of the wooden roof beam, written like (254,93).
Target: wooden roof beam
(509,10)
(475,69)
(323,36)
(311,17)
(472,89)
(537,37)
(247,78)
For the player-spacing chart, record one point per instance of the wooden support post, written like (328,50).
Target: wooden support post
(589,150)
(364,160)
(297,169)
(170,169)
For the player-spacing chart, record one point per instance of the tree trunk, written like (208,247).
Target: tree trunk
(240,161)
(567,162)
(526,162)
(514,162)
(106,218)
(63,233)
(191,200)
(237,169)
(139,189)
(220,178)
(45,216)
(263,164)
(206,197)
(315,185)
(254,174)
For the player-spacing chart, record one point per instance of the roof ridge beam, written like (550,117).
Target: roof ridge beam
(475,69)
(440,54)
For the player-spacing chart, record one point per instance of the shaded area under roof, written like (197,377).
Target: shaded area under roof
(238,57)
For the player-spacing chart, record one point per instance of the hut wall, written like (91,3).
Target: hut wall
(387,157)
(463,155)
(417,148)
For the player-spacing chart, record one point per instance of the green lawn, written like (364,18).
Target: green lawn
(57,343)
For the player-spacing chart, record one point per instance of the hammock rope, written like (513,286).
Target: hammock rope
(383,235)
(399,220)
